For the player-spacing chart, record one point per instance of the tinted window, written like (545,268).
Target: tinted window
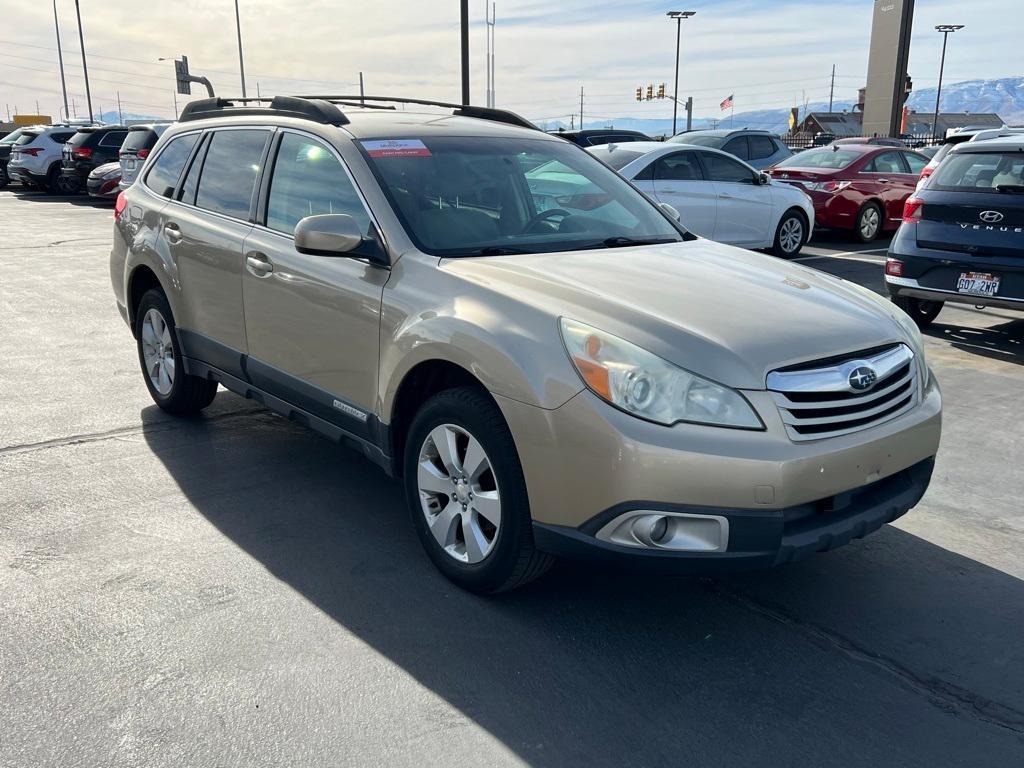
(725,169)
(980,172)
(191,183)
(61,137)
(887,162)
(916,162)
(144,139)
(25,138)
(113,139)
(620,158)
(826,157)
(761,147)
(163,176)
(309,180)
(701,140)
(737,147)
(680,166)
(79,139)
(229,172)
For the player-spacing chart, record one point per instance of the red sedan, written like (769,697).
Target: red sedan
(857,187)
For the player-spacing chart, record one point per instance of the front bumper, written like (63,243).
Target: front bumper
(107,189)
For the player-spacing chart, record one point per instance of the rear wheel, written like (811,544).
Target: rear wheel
(790,235)
(921,311)
(4,178)
(869,223)
(59,184)
(160,357)
(467,494)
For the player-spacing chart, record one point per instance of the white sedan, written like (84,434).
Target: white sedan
(718,196)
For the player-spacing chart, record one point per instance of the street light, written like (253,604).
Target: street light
(60,60)
(945,29)
(678,16)
(85,67)
(175,91)
(241,64)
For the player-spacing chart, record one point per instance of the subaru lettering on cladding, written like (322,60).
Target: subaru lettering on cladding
(549,362)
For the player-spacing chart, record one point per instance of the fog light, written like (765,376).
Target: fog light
(676,531)
(650,530)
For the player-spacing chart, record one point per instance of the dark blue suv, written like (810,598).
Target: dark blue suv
(962,237)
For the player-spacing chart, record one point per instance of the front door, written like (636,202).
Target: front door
(892,182)
(677,179)
(744,205)
(312,322)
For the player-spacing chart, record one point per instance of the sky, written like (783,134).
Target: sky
(768,54)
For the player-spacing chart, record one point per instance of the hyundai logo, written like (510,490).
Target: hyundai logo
(991,217)
(862,378)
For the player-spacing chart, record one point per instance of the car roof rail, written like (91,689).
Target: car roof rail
(315,109)
(460,110)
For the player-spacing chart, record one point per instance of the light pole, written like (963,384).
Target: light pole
(85,67)
(945,29)
(60,60)
(678,16)
(464,30)
(175,91)
(241,63)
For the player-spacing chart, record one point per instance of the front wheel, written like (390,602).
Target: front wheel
(467,494)
(921,311)
(869,223)
(160,357)
(58,183)
(790,235)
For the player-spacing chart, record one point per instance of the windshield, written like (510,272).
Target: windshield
(701,140)
(980,172)
(477,196)
(825,157)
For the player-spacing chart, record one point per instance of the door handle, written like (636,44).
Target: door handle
(258,264)
(663,191)
(724,196)
(172,232)
(883,181)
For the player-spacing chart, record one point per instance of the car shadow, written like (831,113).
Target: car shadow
(893,637)
(1003,341)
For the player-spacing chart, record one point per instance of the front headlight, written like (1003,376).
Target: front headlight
(644,385)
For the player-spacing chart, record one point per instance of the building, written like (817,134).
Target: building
(849,124)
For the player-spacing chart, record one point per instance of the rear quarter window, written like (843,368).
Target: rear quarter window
(113,139)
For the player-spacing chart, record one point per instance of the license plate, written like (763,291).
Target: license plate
(129,165)
(978,283)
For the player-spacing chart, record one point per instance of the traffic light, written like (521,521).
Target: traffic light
(661,91)
(640,94)
(650,92)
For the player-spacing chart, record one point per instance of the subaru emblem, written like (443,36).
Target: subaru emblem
(862,378)
(991,217)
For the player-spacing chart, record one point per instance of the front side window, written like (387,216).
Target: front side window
(163,176)
(468,196)
(309,180)
(887,162)
(229,172)
(980,172)
(826,157)
(916,162)
(680,166)
(726,169)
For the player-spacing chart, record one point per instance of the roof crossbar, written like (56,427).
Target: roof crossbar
(317,110)
(462,110)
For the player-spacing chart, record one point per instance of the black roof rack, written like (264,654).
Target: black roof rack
(324,109)
(314,109)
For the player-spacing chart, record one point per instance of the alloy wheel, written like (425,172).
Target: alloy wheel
(791,236)
(458,493)
(869,223)
(158,351)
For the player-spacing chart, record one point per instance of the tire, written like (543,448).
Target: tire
(502,555)
(4,178)
(921,311)
(170,387)
(59,184)
(863,229)
(790,235)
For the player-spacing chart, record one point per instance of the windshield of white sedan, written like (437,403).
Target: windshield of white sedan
(476,196)
(826,157)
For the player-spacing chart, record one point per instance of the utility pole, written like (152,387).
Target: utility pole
(832,90)
(60,60)
(85,67)
(257,89)
(581,107)
(120,114)
(689,114)
(945,29)
(464,21)
(74,110)
(678,16)
(362,92)
(241,62)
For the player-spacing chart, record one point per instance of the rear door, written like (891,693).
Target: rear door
(107,148)
(312,322)
(744,213)
(678,179)
(203,228)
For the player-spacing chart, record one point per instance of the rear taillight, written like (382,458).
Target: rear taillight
(32,151)
(83,152)
(119,206)
(913,209)
(894,267)
(143,153)
(928,171)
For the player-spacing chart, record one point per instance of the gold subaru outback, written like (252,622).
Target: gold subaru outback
(549,361)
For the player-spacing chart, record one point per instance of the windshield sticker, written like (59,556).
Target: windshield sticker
(396,148)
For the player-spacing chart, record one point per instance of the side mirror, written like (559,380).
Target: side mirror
(336,234)
(670,210)
(764,179)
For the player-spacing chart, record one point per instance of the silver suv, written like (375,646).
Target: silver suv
(557,371)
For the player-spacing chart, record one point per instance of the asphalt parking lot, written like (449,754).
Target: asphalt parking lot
(234,590)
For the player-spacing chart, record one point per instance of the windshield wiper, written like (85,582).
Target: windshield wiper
(1011,189)
(490,250)
(623,242)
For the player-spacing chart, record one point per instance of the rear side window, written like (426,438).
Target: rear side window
(229,172)
(737,147)
(679,166)
(761,147)
(163,176)
(980,172)
(309,180)
(113,138)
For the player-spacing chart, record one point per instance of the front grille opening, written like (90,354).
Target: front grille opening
(845,410)
(817,429)
(825,362)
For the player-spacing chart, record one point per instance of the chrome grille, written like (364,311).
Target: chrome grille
(823,400)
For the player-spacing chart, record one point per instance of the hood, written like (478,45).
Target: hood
(722,312)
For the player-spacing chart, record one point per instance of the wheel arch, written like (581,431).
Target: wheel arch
(141,279)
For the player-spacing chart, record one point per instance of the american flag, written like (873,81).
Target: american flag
(727,104)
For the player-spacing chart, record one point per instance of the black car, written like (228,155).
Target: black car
(90,148)
(962,237)
(597,137)
(5,155)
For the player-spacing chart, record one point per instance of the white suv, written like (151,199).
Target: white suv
(36,157)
